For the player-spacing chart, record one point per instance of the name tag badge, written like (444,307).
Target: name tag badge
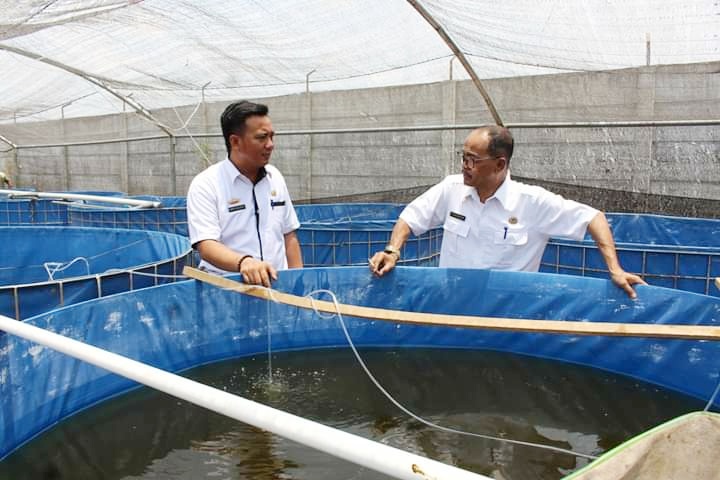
(235,208)
(274,204)
(458,216)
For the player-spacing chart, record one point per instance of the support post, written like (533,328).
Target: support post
(460,56)
(173,166)
(65,148)
(309,119)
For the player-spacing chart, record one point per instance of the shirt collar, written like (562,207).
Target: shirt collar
(234,173)
(507,194)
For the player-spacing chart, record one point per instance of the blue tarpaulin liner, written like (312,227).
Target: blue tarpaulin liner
(330,213)
(691,233)
(329,234)
(350,233)
(17,212)
(170,217)
(51,266)
(187,324)
(673,252)
(667,251)
(99,193)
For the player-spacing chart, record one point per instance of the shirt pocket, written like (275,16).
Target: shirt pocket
(454,231)
(508,243)
(278,212)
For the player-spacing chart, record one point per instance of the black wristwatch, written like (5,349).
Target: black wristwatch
(389,249)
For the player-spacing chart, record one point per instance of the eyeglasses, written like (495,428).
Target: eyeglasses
(470,159)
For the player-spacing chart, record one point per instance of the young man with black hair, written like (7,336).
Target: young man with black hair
(240,215)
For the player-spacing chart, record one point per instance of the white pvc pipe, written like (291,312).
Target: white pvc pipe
(362,451)
(133,202)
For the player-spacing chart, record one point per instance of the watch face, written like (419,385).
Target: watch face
(392,251)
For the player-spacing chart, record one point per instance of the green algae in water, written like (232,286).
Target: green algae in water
(149,435)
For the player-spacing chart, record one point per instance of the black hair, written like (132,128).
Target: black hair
(500,142)
(233,118)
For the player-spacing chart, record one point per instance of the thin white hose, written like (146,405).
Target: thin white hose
(53,267)
(398,404)
(712,397)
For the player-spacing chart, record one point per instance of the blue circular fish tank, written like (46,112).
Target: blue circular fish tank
(45,267)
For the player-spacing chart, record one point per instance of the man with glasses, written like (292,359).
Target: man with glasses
(240,215)
(492,221)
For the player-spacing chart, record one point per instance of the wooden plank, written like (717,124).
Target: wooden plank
(693,332)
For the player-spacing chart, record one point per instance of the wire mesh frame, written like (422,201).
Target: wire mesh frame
(680,269)
(345,248)
(319,247)
(166,219)
(355,247)
(49,212)
(108,283)
(32,212)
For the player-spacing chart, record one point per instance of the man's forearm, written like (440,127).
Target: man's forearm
(599,229)
(219,255)
(292,251)
(400,233)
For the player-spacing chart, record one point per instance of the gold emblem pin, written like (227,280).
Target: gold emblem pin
(512,220)
(273,193)
(233,201)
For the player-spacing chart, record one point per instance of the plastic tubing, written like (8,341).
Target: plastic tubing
(132,202)
(361,451)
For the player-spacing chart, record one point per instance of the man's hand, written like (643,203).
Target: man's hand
(626,280)
(381,263)
(257,272)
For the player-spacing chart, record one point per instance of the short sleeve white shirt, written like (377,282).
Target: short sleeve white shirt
(507,232)
(222,205)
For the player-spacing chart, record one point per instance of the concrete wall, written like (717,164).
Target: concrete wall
(675,161)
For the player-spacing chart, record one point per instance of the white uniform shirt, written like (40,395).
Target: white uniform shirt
(222,205)
(507,232)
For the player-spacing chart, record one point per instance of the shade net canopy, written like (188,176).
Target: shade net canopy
(70,58)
